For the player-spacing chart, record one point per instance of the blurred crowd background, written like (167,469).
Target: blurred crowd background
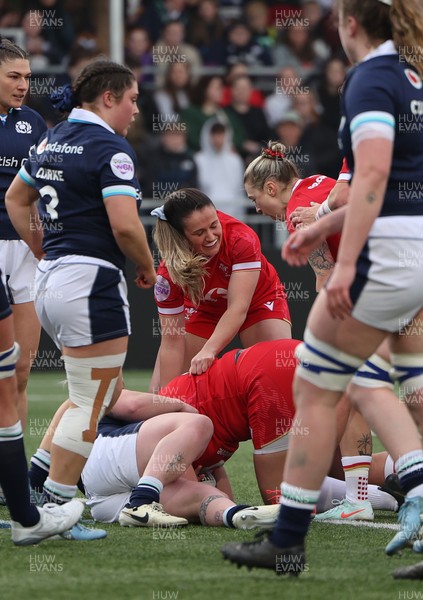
(217,79)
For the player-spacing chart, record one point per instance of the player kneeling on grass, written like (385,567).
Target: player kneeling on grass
(140,472)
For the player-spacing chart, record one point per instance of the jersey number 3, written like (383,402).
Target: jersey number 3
(48,190)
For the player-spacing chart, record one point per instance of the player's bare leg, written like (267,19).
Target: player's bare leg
(344,343)
(27,334)
(166,449)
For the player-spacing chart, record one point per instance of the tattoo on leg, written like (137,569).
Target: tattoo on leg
(175,463)
(364,444)
(204,505)
(218,518)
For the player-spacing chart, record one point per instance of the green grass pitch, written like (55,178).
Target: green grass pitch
(344,562)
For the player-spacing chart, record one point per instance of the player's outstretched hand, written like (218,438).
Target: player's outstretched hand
(304,215)
(201,362)
(301,243)
(145,279)
(338,291)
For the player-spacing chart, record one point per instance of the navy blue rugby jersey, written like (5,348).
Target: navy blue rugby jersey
(20,129)
(383,97)
(75,167)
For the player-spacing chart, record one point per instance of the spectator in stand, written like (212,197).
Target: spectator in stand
(289,130)
(295,49)
(34,42)
(256,98)
(241,46)
(10,16)
(251,118)
(319,140)
(316,18)
(206,31)
(328,89)
(286,86)
(39,94)
(307,106)
(141,133)
(54,25)
(138,49)
(169,167)
(206,103)
(155,15)
(221,170)
(257,17)
(171,47)
(175,95)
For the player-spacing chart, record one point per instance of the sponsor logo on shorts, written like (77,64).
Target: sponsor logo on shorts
(122,166)
(270,304)
(161,289)
(23,127)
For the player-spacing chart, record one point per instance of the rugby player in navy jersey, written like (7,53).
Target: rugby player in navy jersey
(20,128)
(373,290)
(30,524)
(84,172)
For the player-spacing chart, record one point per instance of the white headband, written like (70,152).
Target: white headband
(159,212)
(387,2)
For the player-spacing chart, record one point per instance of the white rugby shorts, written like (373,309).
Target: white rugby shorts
(81,300)
(18,267)
(109,475)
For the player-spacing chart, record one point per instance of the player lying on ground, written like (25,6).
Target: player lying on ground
(133,465)
(248,395)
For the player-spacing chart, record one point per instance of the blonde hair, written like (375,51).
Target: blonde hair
(407,26)
(186,269)
(272,163)
(402,21)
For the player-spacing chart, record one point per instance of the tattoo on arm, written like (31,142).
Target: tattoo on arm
(371,197)
(203,510)
(364,445)
(321,260)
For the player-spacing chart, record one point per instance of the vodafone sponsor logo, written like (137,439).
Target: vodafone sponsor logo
(65,148)
(41,146)
(122,166)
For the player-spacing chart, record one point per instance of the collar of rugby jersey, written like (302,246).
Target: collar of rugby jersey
(296,184)
(3,116)
(384,49)
(80,115)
